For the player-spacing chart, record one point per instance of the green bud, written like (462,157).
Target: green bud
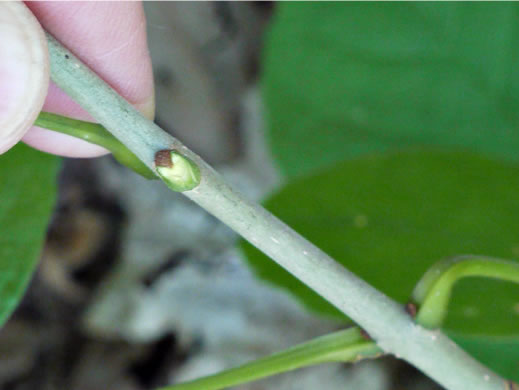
(177,171)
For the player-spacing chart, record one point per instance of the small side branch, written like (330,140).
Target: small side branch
(344,346)
(433,291)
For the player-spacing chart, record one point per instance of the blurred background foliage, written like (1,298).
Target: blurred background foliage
(396,128)
(342,80)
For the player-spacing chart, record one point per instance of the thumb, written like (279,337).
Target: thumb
(24,71)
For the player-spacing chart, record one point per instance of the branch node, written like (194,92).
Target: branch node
(365,335)
(411,309)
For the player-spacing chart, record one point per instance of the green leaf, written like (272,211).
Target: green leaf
(344,79)
(27,194)
(499,354)
(389,218)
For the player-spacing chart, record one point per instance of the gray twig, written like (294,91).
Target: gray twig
(385,320)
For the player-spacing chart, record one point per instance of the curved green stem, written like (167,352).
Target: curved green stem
(433,291)
(95,134)
(432,294)
(344,346)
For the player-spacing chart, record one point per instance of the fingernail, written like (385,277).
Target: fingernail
(24,71)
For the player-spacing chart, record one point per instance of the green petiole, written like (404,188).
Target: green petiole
(433,291)
(344,346)
(95,134)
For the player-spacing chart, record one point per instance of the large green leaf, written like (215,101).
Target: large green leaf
(27,193)
(343,79)
(499,354)
(388,218)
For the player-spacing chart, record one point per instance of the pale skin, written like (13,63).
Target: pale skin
(108,36)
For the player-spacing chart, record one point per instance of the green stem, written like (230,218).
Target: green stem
(95,134)
(432,294)
(343,346)
(385,320)
(433,291)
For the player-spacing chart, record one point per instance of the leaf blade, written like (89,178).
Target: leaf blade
(27,195)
